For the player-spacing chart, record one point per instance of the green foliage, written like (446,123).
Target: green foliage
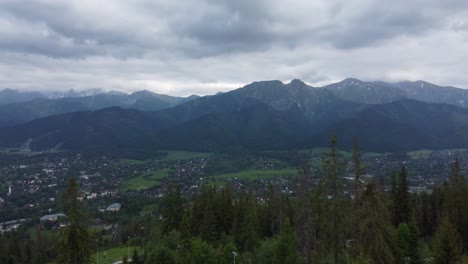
(408,243)
(247,222)
(226,256)
(136,259)
(161,255)
(74,244)
(282,249)
(447,244)
(400,198)
(456,206)
(173,209)
(183,155)
(201,253)
(145,181)
(375,234)
(333,206)
(253,174)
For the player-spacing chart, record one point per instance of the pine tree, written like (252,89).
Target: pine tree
(303,214)
(286,246)
(74,241)
(333,235)
(357,168)
(135,257)
(224,210)
(185,232)
(375,234)
(173,208)
(400,199)
(247,229)
(408,243)
(273,213)
(456,206)
(414,249)
(447,244)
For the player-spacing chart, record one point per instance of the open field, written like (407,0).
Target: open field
(253,174)
(145,181)
(425,153)
(419,154)
(113,254)
(345,154)
(183,155)
(130,161)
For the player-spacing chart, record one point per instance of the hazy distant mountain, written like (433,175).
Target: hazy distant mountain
(404,125)
(363,92)
(12,96)
(428,92)
(73,93)
(381,92)
(259,116)
(16,113)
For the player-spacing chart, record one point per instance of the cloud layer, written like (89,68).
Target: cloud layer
(183,47)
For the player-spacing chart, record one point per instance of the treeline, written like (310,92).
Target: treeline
(327,220)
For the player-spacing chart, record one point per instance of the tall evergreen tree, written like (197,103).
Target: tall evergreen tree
(447,244)
(274,212)
(408,243)
(74,246)
(375,234)
(224,210)
(456,206)
(136,257)
(247,223)
(172,209)
(400,199)
(358,169)
(333,236)
(303,214)
(286,247)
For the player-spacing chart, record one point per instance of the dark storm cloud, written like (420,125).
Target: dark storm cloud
(223,43)
(203,28)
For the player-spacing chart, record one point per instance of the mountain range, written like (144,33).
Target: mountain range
(20,109)
(264,115)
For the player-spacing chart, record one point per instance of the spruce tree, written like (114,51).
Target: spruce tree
(357,168)
(375,234)
(74,246)
(400,198)
(456,205)
(447,244)
(172,209)
(333,236)
(135,257)
(247,229)
(224,210)
(303,214)
(286,246)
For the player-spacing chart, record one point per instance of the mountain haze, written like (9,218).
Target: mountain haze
(259,116)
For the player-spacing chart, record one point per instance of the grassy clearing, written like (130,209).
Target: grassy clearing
(145,181)
(419,154)
(184,155)
(32,231)
(130,161)
(425,153)
(253,174)
(345,154)
(113,254)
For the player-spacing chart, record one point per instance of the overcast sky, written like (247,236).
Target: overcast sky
(204,46)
